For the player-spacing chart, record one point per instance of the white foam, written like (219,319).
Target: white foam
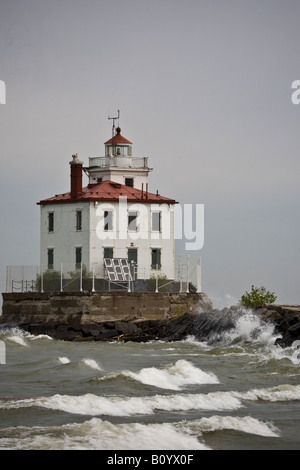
(173,377)
(91,363)
(283,392)
(90,404)
(244,424)
(33,338)
(250,328)
(63,360)
(17,340)
(96,434)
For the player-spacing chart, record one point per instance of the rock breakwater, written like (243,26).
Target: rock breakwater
(211,326)
(140,317)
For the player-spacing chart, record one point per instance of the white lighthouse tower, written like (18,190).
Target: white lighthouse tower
(114,216)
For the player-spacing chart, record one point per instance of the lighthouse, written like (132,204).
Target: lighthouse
(115,216)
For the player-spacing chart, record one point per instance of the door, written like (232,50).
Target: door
(132,261)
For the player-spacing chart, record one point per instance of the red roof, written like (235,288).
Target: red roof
(118,139)
(108,191)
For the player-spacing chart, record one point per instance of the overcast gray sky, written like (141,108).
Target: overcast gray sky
(204,89)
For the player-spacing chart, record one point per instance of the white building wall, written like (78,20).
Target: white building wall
(140,178)
(144,239)
(65,238)
(93,238)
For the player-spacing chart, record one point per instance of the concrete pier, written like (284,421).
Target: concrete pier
(104,314)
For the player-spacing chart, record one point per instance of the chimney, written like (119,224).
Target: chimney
(76,177)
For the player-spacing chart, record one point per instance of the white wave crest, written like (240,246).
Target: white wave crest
(91,363)
(173,377)
(63,360)
(283,392)
(17,340)
(90,404)
(33,338)
(96,434)
(245,424)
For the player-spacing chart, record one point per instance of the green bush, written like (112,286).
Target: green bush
(85,273)
(51,281)
(162,279)
(257,297)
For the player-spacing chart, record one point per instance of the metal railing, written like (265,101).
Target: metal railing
(119,162)
(39,279)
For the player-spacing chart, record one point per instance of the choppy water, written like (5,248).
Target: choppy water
(241,392)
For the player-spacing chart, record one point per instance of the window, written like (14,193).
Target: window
(99,180)
(156,221)
(50,221)
(108,253)
(132,255)
(78,257)
(132,221)
(78,220)
(132,261)
(156,258)
(108,221)
(129,182)
(50,258)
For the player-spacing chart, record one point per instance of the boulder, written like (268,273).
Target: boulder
(292,334)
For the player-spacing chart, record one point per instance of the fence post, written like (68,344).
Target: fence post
(156,280)
(61,277)
(42,279)
(180,274)
(199,276)
(188,275)
(93,279)
(7,278)
(81,277)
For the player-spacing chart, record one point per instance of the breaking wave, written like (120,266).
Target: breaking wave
(91,363)
(172,377)
(284,392)
(246,424)
(90,404)
(103,435)
(17,340)
(100,435)
(233,325)
(63,360)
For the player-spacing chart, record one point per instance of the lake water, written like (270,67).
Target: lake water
(241,392)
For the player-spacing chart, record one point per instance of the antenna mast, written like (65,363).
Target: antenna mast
(114,132)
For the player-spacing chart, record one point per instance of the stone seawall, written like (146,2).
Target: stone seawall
(95,315)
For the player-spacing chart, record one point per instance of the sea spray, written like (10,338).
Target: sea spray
(232,324)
